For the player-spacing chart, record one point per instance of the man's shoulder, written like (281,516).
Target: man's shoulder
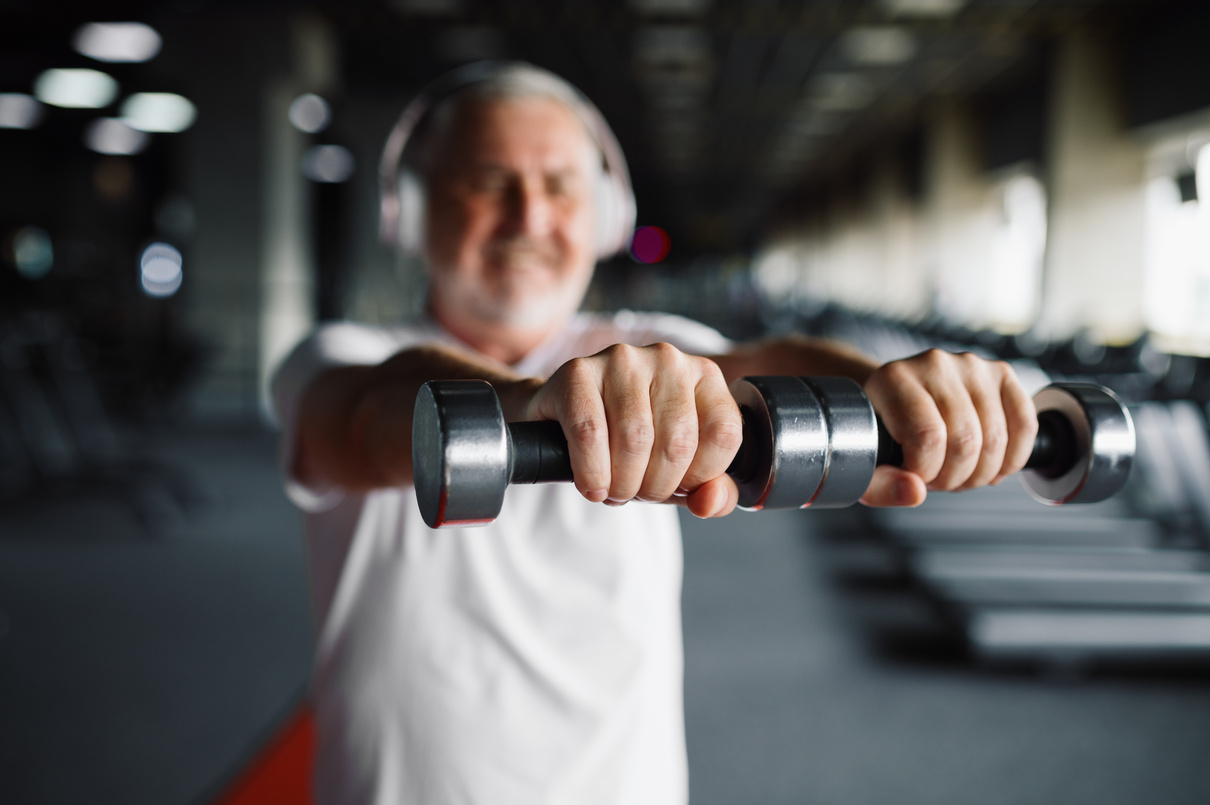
(351,337)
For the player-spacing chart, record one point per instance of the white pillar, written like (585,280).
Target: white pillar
(287,260)
(960,210)
(251,281)
(1094,267)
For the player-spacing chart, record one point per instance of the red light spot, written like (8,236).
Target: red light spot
(650,244)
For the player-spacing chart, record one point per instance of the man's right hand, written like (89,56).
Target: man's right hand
(645,423)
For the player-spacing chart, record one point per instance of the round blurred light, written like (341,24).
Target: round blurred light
(328,163)
(310,113)
(160,270)
(117,41)
(158,111)
(75,88)
(19,111)
(109,135)
(33,253)
(650,244)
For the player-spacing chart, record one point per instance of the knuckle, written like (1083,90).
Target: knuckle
(577,371)
(725,433)
(965,443)
(894,369)
(635,437)
(585,432)
(928,438)
(622,354)
(995,439)
(680,446)
(936,356)
(664,350)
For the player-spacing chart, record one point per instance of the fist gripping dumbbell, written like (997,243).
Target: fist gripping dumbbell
(808,441)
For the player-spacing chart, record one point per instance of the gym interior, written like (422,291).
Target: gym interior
(187,188)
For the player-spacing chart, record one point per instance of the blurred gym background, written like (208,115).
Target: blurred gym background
(187,187)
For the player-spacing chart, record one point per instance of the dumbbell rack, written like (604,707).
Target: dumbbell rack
(1126,579)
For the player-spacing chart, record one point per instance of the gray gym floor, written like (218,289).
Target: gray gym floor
(141,665)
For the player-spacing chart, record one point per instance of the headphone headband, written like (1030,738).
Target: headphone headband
(615,223)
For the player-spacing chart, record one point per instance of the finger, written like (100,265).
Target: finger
(963,430)
(911,417)
(674,418)
(892,486)
(720,430)
(626,395)
(572,396)
(984,383)
(1021,418)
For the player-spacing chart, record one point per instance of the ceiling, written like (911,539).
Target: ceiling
(726,110)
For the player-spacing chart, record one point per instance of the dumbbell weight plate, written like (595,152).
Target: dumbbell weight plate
(460,461)
(827,442)
(853,447)
(780,411)
(1104,442)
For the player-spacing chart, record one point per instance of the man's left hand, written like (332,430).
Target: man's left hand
(964,422)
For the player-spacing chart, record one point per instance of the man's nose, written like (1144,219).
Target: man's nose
(530,211)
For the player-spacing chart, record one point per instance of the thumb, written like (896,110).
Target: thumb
(892,486)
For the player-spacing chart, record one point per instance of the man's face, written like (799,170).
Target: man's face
(510,235)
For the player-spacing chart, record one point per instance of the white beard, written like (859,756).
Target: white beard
(513,300)
(523,308)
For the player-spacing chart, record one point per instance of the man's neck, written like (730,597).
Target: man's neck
(505,343)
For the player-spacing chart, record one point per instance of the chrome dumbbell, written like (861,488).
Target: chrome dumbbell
(807,442)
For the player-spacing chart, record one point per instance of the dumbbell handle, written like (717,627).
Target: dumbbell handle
(539,450)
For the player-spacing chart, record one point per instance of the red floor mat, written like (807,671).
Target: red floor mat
(280,774)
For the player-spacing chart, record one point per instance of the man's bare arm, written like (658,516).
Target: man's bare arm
(796,355)
(354,426)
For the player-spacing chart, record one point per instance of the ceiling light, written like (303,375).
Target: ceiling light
(158,111)
(878,45)
(310,113)
(75,88)
(924,8)
(160,271)
(117,41)
(109,135)
(19,111)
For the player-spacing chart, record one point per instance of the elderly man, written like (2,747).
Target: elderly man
(538,659)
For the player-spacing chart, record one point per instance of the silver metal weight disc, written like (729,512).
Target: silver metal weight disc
(852,441)
(1105,445)
(782,412)
(459,453)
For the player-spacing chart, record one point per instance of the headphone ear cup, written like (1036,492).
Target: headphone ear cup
(605,215)
(412,213)
(614,216)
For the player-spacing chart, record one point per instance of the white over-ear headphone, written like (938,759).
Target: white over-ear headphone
(401,190)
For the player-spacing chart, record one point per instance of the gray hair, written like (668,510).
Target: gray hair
(512,82)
